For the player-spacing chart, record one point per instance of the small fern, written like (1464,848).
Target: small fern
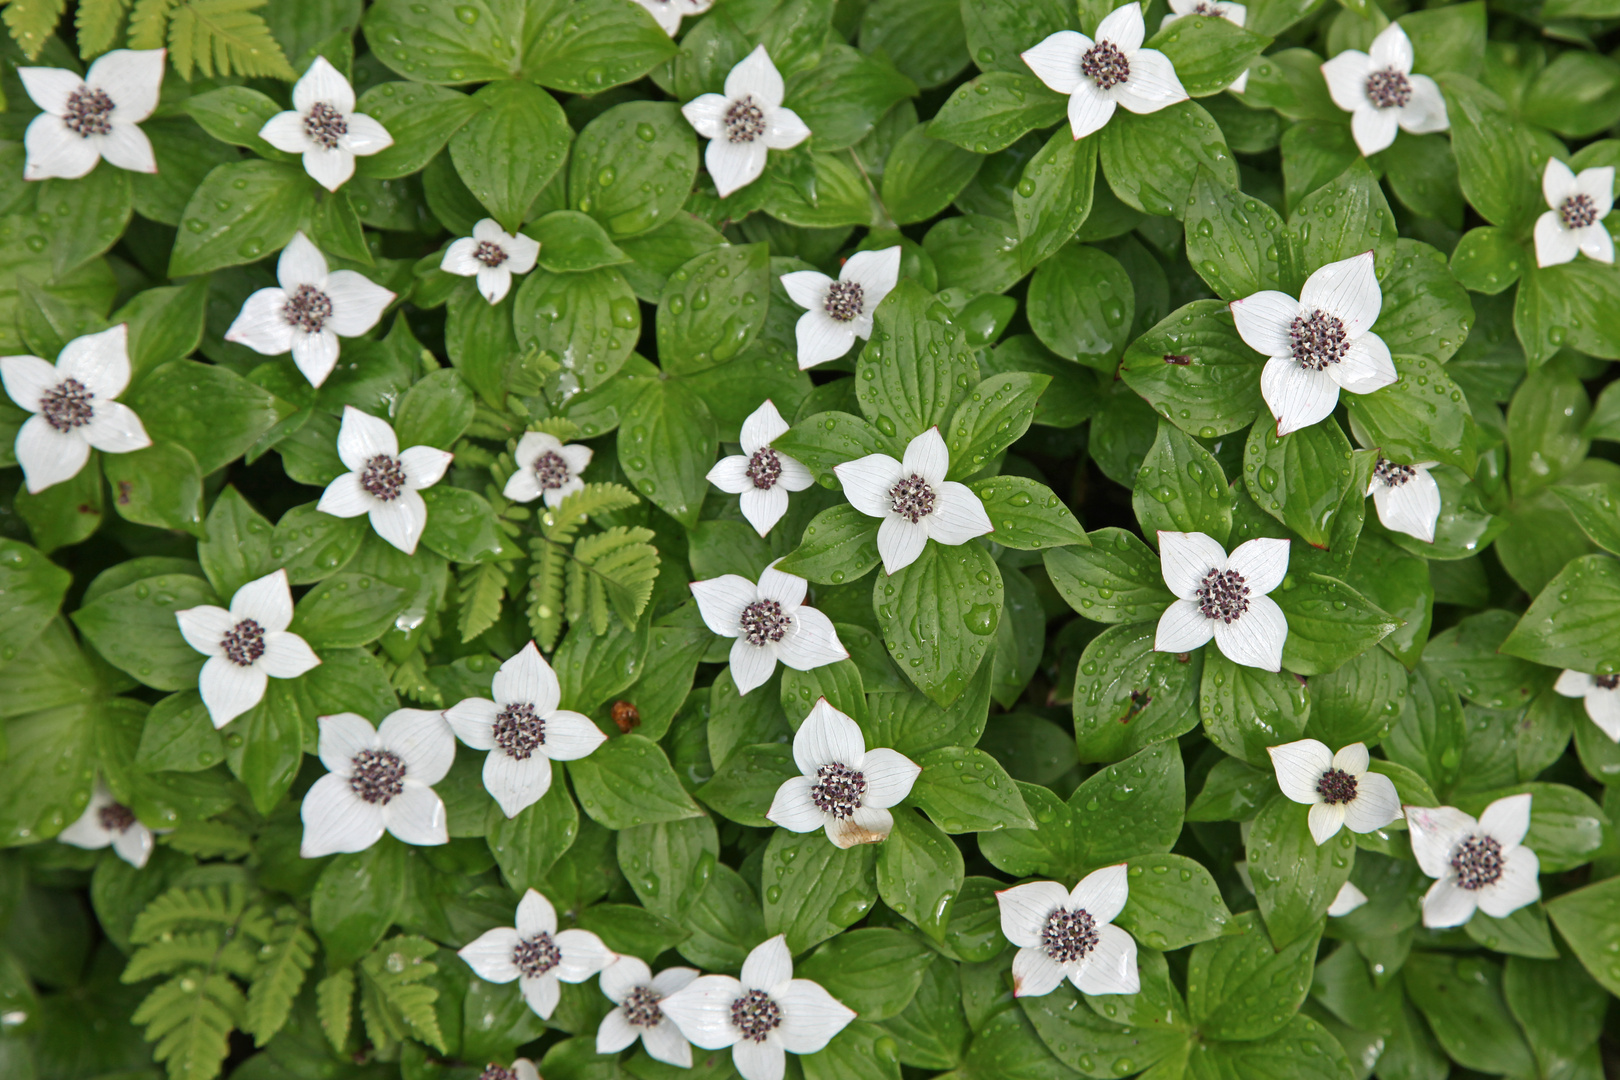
(32,22)
(283,962)
(588,577)
(96,23)
(334,1002)
(210,840)
(210,37)
(191,1017)
(614,569)
(395,1001)
(482,587)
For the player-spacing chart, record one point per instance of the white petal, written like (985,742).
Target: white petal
(624,975)
(99,361)
(900,543)
(526,678)
(1376,804)
(424,466)
(261,325)
(759,1061)
(1574,684)
(821,338)
(532,446)
(1025,909)
(287,656)
(88,832)
(1346,76)
(793,808)
(734,165)
(670,980)
(1353,759)
(1124,28)
(1153,84)
(490,954)
(337,820)
(811,641)
(1508,819)
(827,737)
(1325,821)
(1102,893)
(615,1033)
(345,498)
(927,457)
(1256,638)
(54,152)
(1186,558)
(1603,708)
(784,129)
(115,429)
(1111,967)
(571,735)
(402,521)
(1374,128)
(459,258)
(204,627)
(807,288)
(1182,628)
(1519,885)
(867,825)
(329,168)
(1366,366)
(417,816)
(323,83)
(755,76)
(362,437)
(577,456)
(707,115)
(1346,900)
(1557,182)
(1348,290)
(876,272)
(366,136)
(1597,184)
(795,476)
(1596,242)
(285,131)
(1296,396)
(522,252)
(1435,833)
(423,741)
(1089,109)
(1035,974)
(762,425)
(50,88)
(541,994)
(266,600)
(134,845)
(473,721)
(229,690)
(703,1011)
(1425,111)
(1056,60)
(785,588)
(301,263)
(357,303)
(1448,904)
(28,379)
(751,666)
(516,784)
(342,736)
(762,508)
(768,966)
(1412,508)
(1391,49)
(664,1040)
(583,955)
(810,1017)
(867,482)
(1299,766)
(1262,563)
(127,147)
(721,601)
(535,914)
(1555,245)
(48,456)
(889,777)
(1263,319)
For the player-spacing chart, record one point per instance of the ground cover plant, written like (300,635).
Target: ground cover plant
(870,539)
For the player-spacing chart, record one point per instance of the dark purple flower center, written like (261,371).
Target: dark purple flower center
(1606,682)
(1478,862)
(764,621)
(383,477)
(377,775)
(67,405)
(324,124)
(550,470)
(116,817)
(641,1007)
(1392,475)
(1578,211)
(744,121)
(1105,65)
(838,790)
(493,1071)
(518,731)
(1069,935)
(534,956)
(491,255)
(1336,787)
(243,643)
(845,300)
(756,1015)
(912,498)
(1389,89)
(1223,595)
(1317,340)
(89,112)
(765,468)
(308,309)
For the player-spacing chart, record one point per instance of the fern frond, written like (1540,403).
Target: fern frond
(210,840)
(546,592)
(593,499)
(190,1017)
(149,23)
(225,37)
(97,24)
(180,907)
(209,949)
(409,680)
(403,1003)
(32,22)
(560,426)
(624,564)
(334,1003)
(283,962)
(482,588)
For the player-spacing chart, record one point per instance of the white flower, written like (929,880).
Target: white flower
(1235,14)
(521,1069)
(1407,498)
(1380,92)
(537,955)
(637,993)
(669,12)
(761,476)
(744,122)
(761,1015)
(1062,933)
(1318,344)
(1223,598)
(1338,788)
(1575,221)
(1346,900)
(840,311)
(846,789)
(323,126)
(385,482)
(770,623)
(492,255)
(1476,864)
(546,466)
(379,779)
(73,406)
(523,730)
(245,646)
(92,118)
(310,311)
(1113,70)
(915,501)
(108,822)
(1602,694)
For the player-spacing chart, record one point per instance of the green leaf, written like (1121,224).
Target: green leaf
(312,546)
(1027,516)
(967,790)
(632,167)
(395,1000)
(843,97)
(509,150)
(626,928)
(816,889)
(1571,623)
(159,486)
(421,120)
(209,410)
(591,317)
(671,445)
(743,786)
(995,110)
(1557,1005)
(1342,219)
(1182,488)
(134,629)
(628,781)
(1461,998)
(875,971)
(1300,478)
(1128,695)
(1236,242)
(606,43)
(282,967)
(241,213)
(1329,623)
(462,526)
(1080,305)
(1152,160)
(841,195)
(1592,506)
(235,115)
(1196,372)
(713,307)
(1059,180)
(1426,312)
(669,864)
(1423,416)
(1241,987)
(357,899)
(435,411)
(1589,920)
(571,242)
(237,546)
(1173,902)
(191,1017)
(919,872)
(1499,159)
(917,367)
(266,746)
(1245,709)
(1487,260)
(1302,1050)
(1208,51)
(1295,879)
(839,545)
(912,723)
(527,846)
(38,799)
(1082,1039)
(347,610)
(924,174)
(1522,933)
(939,616)
(442,45)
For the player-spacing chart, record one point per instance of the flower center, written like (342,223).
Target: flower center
(1202,8)
(745,121)
(1606,682)
(1105,65)
(1223,595)
(1391,474)
(116,817)
(493,1071)
(308,309)
(1478,862)
(383,477)
(912,499)
(764,468)
(536,955)
(67,405)
(376,775)
(1318,340)
(838,790)
(550,470)
(1069,935)
(764,621)
(89,112)
(641,1008)
(1578,211)
(756,1015)
(518,731)
(1336,786)
(491,255)
(845,300)
(243,643)
(1389,89)
(323,124)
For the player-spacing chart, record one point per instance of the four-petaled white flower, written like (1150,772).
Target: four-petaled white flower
(309,312)
(73,407)
(323,126)
(1319,344)
(1346,900)
(744,122)
(1112,70)
(670,12)
(1223,597)
(1236,14)
(1574,221)
(546,467)
(1070,933)
(385,482)
(838,312)
(379,779)
(1379,91)
(770,622)
(763,1016)
(245,646)
(492,255)
(846,789)
(760,475)
(1338,788)
(1602,694)
(106,822)
(1476,864)
(520,1069)
(523,730)
(537,954)
(92,118)
(636,994)
(914,500)
(1407,497)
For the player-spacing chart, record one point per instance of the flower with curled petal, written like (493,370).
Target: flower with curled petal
(106,822)
(1224,598)
(245,646)
(1477,865)
(1379,91)
(1113,70)
(846,789)
(94,118)
(379,779)
(1406,497)
(1070,933)
(760,476)
(637,995)
(1339,788)
(914,500)
(384,482)
(770,622)
(538,955)
(745,122)
(323,126)
(839,311)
